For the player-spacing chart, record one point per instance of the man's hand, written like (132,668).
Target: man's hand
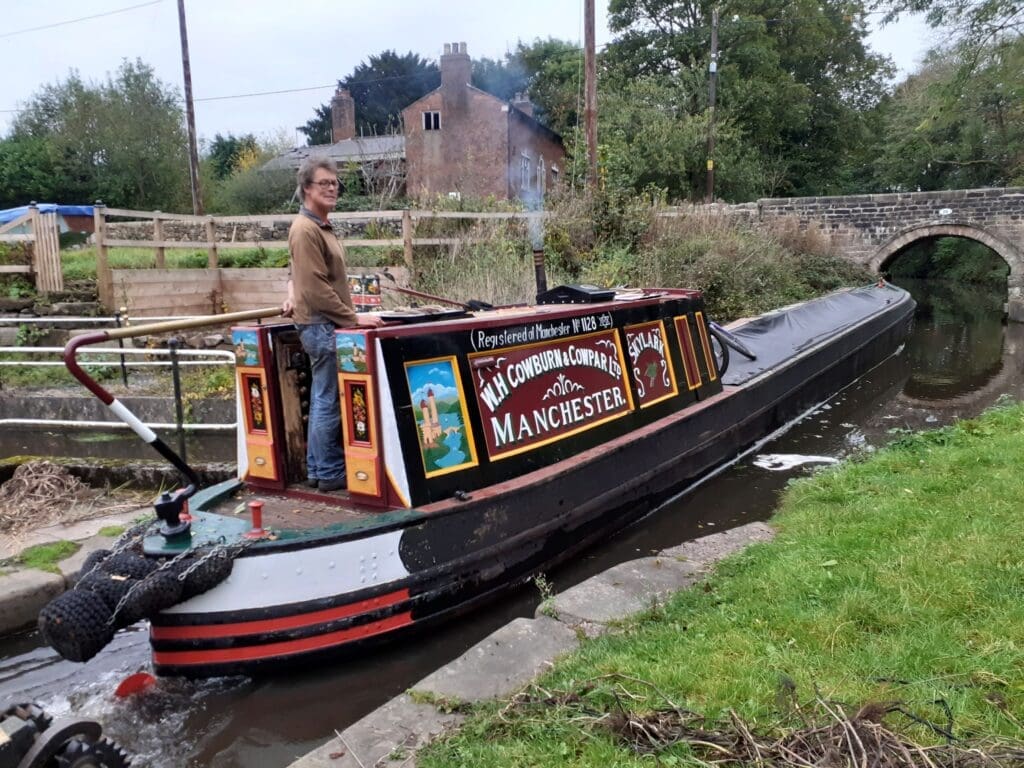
(287,307)
(369,320)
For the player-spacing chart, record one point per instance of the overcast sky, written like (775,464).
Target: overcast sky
(253,46)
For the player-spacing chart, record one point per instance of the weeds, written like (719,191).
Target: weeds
(547,595)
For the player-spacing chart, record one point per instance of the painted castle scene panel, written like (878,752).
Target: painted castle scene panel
(441,419)
(351,352)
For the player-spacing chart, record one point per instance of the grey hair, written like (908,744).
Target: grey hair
(308,169)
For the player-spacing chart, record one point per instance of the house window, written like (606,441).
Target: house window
(431,121)
(524,171)
(541,176)
(554,175)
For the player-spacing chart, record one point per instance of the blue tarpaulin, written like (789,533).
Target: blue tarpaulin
(64,210)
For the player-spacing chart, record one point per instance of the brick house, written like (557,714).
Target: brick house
(457,140)
(461,140)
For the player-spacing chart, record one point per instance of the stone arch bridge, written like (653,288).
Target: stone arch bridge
(873,229)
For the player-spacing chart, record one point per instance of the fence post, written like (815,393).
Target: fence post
(158,235)
(211,239)
(118,315)
(407,238)
(33,217)
(179,409)
(104,278)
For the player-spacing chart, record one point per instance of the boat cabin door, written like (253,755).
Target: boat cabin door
(274,376)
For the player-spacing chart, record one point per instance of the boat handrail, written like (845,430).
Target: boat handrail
(167,326)
(118,409)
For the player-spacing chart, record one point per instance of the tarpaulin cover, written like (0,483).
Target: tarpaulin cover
(11,214)
(783,334)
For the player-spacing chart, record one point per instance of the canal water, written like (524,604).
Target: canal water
(960,359)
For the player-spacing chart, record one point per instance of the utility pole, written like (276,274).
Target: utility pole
(590,92)
(709,192)
(190,113)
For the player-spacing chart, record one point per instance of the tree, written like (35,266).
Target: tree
(947,129)
(553,70)
(974,22)
(122,141)
(227,152)
(503,79)
(794,77)
(318,127)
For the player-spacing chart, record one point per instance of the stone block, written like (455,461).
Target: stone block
(624,590)
(25,594)
(388,736)
(503,662)
(710,549)
(74,308)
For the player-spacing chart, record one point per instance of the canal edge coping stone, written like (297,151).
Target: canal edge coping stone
(509,658)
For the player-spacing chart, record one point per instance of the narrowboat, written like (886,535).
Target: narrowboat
(482,446)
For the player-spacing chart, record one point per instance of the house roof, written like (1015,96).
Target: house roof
(537,125)
(360,150)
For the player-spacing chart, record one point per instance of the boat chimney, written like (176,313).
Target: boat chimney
(535,224)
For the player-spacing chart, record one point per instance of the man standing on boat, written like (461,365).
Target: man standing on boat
(319,301)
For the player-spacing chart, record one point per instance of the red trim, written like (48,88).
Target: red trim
(284,648)
(210,631)
(71,363)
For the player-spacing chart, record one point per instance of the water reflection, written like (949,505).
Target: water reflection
(958,339)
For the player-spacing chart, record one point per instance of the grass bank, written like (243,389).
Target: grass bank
(895,581)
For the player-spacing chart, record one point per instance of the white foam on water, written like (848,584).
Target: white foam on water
(781,462)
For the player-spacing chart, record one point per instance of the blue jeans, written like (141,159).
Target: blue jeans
(325,459)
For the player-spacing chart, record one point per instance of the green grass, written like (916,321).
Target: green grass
(895,578)
(80,263)
(112,531)
(44,557)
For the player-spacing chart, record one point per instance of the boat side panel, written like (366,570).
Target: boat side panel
(467,348)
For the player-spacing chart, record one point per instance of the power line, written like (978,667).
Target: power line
(270,93)
(75,21)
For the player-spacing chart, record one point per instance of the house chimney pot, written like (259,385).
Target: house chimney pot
(521,101)
(456,67)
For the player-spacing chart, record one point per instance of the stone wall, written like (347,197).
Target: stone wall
(228,233)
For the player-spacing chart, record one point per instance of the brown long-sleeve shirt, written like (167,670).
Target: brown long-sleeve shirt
(319,279)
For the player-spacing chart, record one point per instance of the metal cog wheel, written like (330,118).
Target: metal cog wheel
(92,754)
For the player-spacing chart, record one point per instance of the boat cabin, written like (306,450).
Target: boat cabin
(436,405)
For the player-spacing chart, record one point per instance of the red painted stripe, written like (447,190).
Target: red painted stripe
(210,631)
(285,648)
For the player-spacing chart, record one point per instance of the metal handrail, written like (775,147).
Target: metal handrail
(213,357)
(148,436)
(225,354)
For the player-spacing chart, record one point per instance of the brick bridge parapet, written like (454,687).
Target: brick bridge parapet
(873,229)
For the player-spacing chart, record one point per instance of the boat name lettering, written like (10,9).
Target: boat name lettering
(649,339)
(512,374)
(484,339)
(556,417)
(532,394)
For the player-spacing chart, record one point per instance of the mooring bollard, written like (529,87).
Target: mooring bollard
(256,532)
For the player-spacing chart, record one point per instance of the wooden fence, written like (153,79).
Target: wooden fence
(45,243)
(202,291)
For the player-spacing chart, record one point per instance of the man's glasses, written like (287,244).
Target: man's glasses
(327,184)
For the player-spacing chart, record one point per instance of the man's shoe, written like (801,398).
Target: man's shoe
(311,482)
(338,484)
